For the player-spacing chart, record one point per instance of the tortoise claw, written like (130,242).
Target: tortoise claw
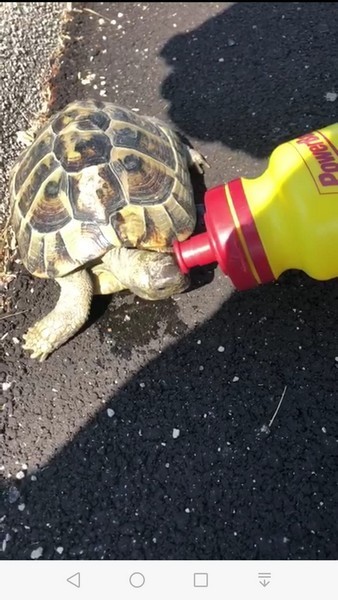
(37,343)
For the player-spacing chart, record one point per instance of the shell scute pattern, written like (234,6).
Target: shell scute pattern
(102,182)
(39,150)
(77,150)
(97,176)
(143,143)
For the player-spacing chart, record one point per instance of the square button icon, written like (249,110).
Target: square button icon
(200,579)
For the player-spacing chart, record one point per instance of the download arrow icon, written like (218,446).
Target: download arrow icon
(264,577)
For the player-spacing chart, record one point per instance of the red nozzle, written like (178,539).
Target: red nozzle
(196,251)
(220,243)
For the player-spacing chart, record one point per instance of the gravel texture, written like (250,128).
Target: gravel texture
(29,34)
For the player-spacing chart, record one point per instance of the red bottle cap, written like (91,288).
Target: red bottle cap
(221,242)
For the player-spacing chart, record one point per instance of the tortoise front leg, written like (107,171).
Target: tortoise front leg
(68,316)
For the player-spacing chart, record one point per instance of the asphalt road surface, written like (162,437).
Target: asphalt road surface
(144,437)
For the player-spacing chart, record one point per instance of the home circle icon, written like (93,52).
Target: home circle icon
(137,580)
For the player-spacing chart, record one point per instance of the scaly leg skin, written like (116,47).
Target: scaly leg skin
(68,316)
(104,281)
(149,275)
(196,160)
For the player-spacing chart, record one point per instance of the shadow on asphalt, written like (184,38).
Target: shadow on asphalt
(255,75)
(126,488)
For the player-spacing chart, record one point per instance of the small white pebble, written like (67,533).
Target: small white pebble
(199,342)
(235,378)
(88,79)
(142,385)
(120,15)
(33,478)
(336,358)
(167,465)
(103,93)
(176,433)
(4,543)
(101,21)
(24,466)
(324,430)
(187,510)
(220,348)
(6,385)
(15,340)
(20,475)
(21,507)
(221,60)
(110,412)
(126,318)
(331,96)
(59,549)
(37,553)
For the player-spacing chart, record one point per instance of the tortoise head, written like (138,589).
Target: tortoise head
(157,276)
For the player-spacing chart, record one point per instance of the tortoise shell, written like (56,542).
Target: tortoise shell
(98,176)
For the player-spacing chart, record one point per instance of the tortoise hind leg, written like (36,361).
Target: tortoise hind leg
(196,160)
(68,316)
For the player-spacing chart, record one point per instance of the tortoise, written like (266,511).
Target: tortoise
(96,202)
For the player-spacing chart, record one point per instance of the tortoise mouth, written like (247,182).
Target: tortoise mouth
(164,288)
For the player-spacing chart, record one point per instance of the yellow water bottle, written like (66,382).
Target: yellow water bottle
(287,218)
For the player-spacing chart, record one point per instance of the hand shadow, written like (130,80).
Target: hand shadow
(255,75)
